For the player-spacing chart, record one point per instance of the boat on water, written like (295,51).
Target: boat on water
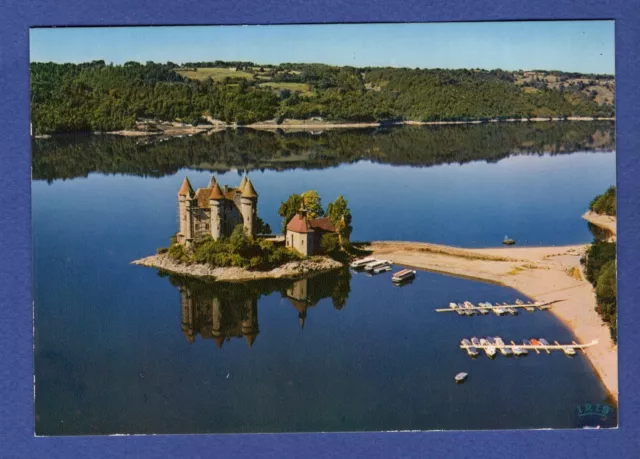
(465,310)
(512,311)
(544,342)
(470,307)
(508,241)
(497,310)
(460,377)
(403,276)
(568,350)
(472,351)
(535,342)
(489,349)
(381,269)
(361,263)
(503,350)
(483,311)
(526,342)
(377,264)
(456,308)
(518,351)
(475,341)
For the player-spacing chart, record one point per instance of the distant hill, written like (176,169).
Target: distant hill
(95,96)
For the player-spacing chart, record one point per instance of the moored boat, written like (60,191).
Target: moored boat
(544,342)
(488,348)
(472,351)
(475,341)
(464,310)
(508,241)
(381,269)
(482,309)
(460,377)
(519,351)
(470,307)
(503,350)
(535,342)
(377,264)
(569,350)
(403,276)
(361,263)
(455,307)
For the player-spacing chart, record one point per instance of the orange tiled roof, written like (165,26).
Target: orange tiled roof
(185,189)
(299,224)
(216,192)
(249,191)
(203,196)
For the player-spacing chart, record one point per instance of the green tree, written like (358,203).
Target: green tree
(288,209)
(313,204)
(340,215)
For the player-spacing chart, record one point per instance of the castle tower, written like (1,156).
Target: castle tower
(215,202)
(185,204)
(249,203)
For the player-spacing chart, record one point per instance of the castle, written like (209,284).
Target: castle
(215,210)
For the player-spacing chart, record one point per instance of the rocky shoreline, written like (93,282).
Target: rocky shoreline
(291,270)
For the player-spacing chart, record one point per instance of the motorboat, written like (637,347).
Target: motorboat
(361,263)
(497,310)
(482,311)
(544,342)
(456,308)
(472,351)
(535,342)
(470,307)
(403,276)
(488,349)
(381,269)
(465,311)
(569,350)
(519,351)
(475,341)
(503,350)
(460,377)
(376,264)
(508,241)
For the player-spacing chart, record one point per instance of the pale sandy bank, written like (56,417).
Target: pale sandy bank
(603,221)
(542,273)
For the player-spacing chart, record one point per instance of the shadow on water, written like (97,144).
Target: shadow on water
(66,157)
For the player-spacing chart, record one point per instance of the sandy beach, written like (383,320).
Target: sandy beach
(603,221)
(542,273)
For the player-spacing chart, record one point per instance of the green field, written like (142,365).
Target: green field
(215,73)
(303,88)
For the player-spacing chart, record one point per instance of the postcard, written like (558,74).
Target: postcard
(324,228)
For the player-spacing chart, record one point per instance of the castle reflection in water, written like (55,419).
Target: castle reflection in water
(222,311)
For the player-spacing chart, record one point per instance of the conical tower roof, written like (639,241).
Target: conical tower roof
(250,338)
(243,183)
(249,191)
(212,182)
(219,340)
(186,189)
(216,193)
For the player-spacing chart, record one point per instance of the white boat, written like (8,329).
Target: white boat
(544,342)
(361,263)
(471,309)
(519,351)
(497,310)
(376,264)
(381,269)
(404,275)
(456,308)
(503,350)
(472,351)
(483,311)
(475,341)
(511,311)
(464,310)
(569,350)
(489,350)
(461,377)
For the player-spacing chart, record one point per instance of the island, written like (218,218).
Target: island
(220,235)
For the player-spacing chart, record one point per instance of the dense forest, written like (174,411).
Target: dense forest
(66,157)
(600,267)
(96,96)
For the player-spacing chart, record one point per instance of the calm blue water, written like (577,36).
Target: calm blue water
(111,354)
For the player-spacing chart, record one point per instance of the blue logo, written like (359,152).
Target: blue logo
(593,414)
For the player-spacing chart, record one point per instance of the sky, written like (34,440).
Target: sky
(572,46)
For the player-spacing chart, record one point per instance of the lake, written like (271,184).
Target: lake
(121,349)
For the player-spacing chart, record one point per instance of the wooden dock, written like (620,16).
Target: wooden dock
(537,305)
(548,348)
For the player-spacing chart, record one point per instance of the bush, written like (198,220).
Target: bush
(161,250)
(605,203)
(329,243)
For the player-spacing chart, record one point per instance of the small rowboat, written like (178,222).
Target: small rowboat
(404,275)
(569,350)
(460,377)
